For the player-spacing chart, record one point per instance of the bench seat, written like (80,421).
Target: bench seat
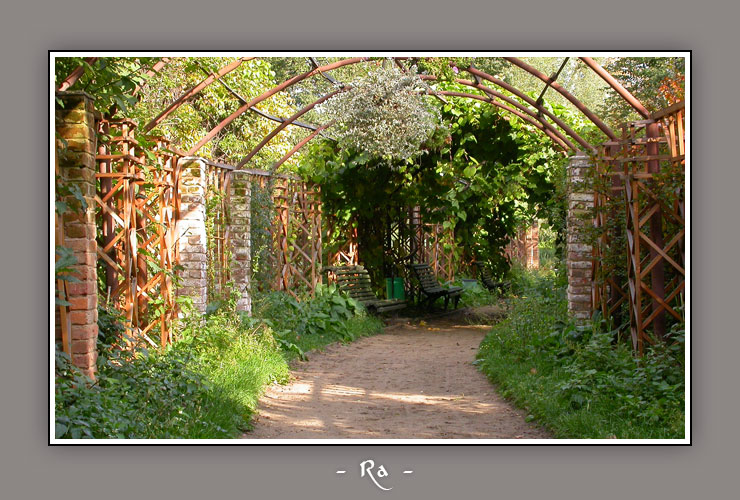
(431,287)
(355,282)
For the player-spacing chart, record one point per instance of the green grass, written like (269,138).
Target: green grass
(207,384)
(579,382)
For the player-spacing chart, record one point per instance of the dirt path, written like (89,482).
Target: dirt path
(413,381)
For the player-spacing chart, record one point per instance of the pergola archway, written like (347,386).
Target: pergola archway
(490,88)
(535,114)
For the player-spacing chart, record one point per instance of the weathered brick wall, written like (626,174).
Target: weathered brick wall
(239,229)
(579,256)
(75,123)
(191,232)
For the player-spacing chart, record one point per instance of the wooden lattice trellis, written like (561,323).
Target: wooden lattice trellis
(524,247)
(348,252)
(218,180)
(438,250)
(647,168)
(295,230)
(137,206)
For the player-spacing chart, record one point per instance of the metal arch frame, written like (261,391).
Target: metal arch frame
(550,82)
(194,90)
(556,86)
(538,125)
(548,128)
(543,127)
(492,93)
(541,109)
(287,83)
(284,124)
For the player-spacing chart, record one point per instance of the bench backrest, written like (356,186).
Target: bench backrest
(425,275)
(355,281)
(485,274)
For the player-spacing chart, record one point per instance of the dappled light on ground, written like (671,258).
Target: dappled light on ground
(413,381)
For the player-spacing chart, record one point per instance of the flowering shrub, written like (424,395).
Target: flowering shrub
(384,114)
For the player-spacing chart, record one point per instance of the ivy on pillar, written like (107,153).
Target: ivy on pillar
(579,258)
(75,128)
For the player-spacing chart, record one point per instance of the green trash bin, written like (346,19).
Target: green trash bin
(389,288)
(398,291)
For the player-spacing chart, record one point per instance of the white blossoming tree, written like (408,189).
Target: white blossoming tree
(384,114)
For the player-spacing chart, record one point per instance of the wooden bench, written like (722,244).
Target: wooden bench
(355,282)
(486,278)
(431,287)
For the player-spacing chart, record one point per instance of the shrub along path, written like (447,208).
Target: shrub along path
(415,380)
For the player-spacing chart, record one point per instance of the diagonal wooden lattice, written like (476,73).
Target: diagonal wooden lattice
(523,248)
(295,231)
(439,251)
(647,168)
(137,206)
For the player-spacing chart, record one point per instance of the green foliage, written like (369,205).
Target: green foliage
(109,80)
(201,113)
(206,385)
(328,316)
(203,386)
(482,178)
(476,295)
(657,82)
(383,114)
(579,381)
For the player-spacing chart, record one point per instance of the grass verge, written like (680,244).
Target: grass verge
(207,384)
(583,382)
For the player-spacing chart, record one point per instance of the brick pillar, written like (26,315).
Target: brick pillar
(579,257)
(191,232)
(241,239)
(75,123)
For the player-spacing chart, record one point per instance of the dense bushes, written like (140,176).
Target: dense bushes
(206,384)
(583,382)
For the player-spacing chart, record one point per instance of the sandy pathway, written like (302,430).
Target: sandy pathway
(410,382)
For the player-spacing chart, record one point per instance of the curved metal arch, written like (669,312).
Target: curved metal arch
(555,85)
(301,144)
(75,74)
(492,93)
(613,83)
(194,90)
(565,146)
(284,124)
(520,106)
(541,126)
(478,73)
(287,83)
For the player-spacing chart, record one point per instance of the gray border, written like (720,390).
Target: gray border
(33,470)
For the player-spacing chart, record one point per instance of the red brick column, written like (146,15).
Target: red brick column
(75,123)
(579,255)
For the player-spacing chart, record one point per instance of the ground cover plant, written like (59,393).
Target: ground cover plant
(207,383)
(582,382)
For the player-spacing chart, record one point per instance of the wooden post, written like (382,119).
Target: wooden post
(657,274)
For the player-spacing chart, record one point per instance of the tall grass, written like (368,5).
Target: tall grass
(207,384)
(580,382)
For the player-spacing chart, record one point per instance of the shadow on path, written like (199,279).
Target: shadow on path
(410,382)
